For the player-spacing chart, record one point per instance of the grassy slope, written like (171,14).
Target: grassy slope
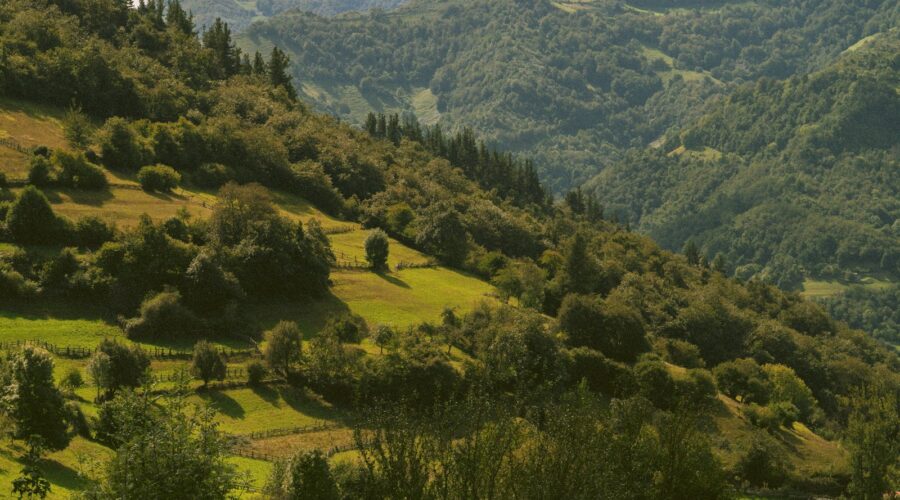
(400,297)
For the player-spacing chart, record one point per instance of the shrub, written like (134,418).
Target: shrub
(306,476)
(377,249)
(39,169)
(743,379)
(31,219)
(311,182)
(114,366)
(601,373)
(75,171)
(208,363)
(92,232)
(655,383)
(14,286)
(120,146)
(349,328)
(680,352)
(72,380)
(610,327)
(212,175)
(159,178)
(256,373)
(163,316)
(3,182)
(763,463)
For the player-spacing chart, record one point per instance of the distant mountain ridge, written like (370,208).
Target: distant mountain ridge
(239,15)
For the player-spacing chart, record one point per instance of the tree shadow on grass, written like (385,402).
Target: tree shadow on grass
(266,393)
(170,196)
(393,280)
(302,403)
(92,198)
(63,476)
(310,315)
(55,309)
(224,403)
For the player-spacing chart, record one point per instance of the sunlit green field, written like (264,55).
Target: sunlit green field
(818,288)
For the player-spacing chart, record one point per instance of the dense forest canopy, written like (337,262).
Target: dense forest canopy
(783,179)
(571,87)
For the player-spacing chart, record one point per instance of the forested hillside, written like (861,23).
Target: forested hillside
(209,290)
(782,180)
(571,84)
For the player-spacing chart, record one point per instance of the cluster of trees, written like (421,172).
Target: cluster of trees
(113,60)
(513,179)
(183,277)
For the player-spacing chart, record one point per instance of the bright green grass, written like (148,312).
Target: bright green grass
(257,470)
(399,298)
(242,411)
(409,296)
(820,288)
(60,324)
(351,247)
(64,469)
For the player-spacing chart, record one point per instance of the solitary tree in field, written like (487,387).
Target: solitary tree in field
(208,363)
(78,128)
(284,348)
(383,336)
(30,398)
(377,249)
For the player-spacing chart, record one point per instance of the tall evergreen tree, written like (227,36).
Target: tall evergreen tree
(177,18)
(227,57)
(279,74)
(259,65)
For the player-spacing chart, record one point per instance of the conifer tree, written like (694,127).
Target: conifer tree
(177,18)
(279,75)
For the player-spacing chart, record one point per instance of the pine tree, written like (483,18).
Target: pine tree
(227,57)
(371,124)
(177,18)
(691,252)
(259,65)
(279,76)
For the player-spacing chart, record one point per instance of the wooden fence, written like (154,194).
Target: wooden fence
(81,352)
(323,425)
(5,141)
(255,455)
